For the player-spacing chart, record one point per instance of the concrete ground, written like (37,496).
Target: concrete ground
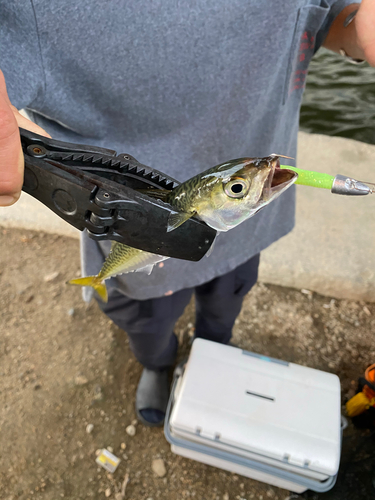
(330,251)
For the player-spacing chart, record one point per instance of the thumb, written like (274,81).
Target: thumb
(11,156)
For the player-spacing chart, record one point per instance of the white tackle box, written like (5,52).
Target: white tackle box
(260,417)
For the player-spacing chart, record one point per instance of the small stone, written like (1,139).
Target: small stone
(110,449)
(89,428)
(130,430)
(134,422)
(98,452)
(158,467)
(123,446)
(98,393)
(366,310)
(51,276)
(71,311)
(307,292)
(80,380)
(226,496)
(108,492)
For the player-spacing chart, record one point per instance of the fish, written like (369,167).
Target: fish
(121,259)
(223,197)
(228,194)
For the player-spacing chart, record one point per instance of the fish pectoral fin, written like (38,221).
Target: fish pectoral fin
(212,246)
(147,269)
(94,282)
(177,219)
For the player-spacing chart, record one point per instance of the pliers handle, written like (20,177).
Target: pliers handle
(95,189)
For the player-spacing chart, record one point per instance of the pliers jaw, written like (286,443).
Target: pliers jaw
(95,189)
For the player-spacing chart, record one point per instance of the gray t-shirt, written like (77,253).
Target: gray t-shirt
(182,86)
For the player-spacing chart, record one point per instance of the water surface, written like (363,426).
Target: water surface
(339,98)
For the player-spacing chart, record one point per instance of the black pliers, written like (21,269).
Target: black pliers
(95,189)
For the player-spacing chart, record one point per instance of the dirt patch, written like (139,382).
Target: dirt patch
(64,366)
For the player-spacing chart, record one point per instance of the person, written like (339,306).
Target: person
(182,87)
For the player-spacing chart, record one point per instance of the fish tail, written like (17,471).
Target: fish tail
(95,283)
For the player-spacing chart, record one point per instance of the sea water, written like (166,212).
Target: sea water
(339,98)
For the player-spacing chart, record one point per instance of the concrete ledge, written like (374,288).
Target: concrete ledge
(331,250)
(28,213)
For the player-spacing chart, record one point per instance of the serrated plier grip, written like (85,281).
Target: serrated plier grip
(94,189)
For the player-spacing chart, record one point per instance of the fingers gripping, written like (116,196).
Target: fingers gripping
(11,157)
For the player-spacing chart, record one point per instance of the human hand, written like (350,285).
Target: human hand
(11,156)
(358,38)
(365,28)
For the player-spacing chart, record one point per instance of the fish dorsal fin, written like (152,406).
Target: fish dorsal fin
(160,194)
(177,219)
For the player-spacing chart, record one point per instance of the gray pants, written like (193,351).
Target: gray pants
(150,323)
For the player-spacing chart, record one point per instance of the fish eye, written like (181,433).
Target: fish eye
(236,188)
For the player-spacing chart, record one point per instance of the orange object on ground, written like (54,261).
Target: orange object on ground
(365,397)
(370,377)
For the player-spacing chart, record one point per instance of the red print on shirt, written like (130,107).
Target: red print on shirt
(305,52)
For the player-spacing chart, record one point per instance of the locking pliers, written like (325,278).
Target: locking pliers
(95,189)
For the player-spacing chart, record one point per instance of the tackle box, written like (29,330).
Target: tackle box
(260,417)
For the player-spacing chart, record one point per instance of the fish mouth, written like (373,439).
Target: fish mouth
(280,178)
(278,181)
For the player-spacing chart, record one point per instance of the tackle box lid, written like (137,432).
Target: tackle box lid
(253,403)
